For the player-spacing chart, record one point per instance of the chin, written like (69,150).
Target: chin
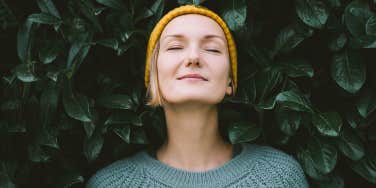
(193,94)
(205,99)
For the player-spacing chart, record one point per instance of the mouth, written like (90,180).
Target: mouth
(193,77)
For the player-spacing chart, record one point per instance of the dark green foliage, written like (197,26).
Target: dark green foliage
(73,99)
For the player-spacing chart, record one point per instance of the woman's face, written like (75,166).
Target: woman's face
(193,46)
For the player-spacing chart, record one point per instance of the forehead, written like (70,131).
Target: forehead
(193,25)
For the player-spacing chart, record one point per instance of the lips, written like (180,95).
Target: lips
(197,76)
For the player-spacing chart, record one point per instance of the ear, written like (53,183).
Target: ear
(229,87)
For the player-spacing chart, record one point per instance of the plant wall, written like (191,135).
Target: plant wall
(73,100)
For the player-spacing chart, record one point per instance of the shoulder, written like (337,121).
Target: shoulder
(272,156)
(118,174)
(277,165)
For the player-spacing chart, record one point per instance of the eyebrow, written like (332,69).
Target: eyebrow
(205,37)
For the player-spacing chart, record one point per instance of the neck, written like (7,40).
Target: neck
(194,141)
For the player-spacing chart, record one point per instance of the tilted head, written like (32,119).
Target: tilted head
(190,41)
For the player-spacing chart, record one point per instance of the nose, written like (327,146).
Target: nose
(193,57)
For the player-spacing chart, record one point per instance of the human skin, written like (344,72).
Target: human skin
(193,142)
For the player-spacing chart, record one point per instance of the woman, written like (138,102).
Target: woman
(190,67)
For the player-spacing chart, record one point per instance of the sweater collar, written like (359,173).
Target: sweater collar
(224,174)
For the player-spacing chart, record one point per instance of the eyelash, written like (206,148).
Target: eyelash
(175,48)
(210,50)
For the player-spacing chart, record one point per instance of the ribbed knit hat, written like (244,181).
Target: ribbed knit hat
(191,9)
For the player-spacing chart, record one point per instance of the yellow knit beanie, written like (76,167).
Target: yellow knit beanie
(191,9)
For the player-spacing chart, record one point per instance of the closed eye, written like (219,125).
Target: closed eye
(175,48)
(213,50)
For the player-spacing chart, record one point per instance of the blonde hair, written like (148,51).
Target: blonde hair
(153,91)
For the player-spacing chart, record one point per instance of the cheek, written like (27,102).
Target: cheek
(163,66)
(166,68)
(220,70)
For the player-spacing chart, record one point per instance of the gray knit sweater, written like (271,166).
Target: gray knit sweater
(255,166)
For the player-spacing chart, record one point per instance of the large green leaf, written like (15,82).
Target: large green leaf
(89,128)
(44,18)
(266,82)
(294,100)
(331,181)
(312,12)
(123,47)
(53,75)
(69,179)
(125,117)
(338,42)
(353,118)
(243,132)
(124,133)
(77,54)
(247,94)
(76,107)
(258,55)
(296,68)
(323,154)
(25,72)
(110,42)
(235,13)
(48,104)
(115,4)
(47,6)
(157,8)
(138,136)
(348,71)
(115,101)
(328,124)
(367,104)
(266,104)
(308,164)
(364,41)
(371,26)
(288,121)
(356,16)
(92,147)
(251,92)
(90,12)
(366,167)
(24,39)
(290,37)
(49,51)
(47,137)
(350,144)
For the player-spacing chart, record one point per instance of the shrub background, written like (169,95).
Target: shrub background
(72,94)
